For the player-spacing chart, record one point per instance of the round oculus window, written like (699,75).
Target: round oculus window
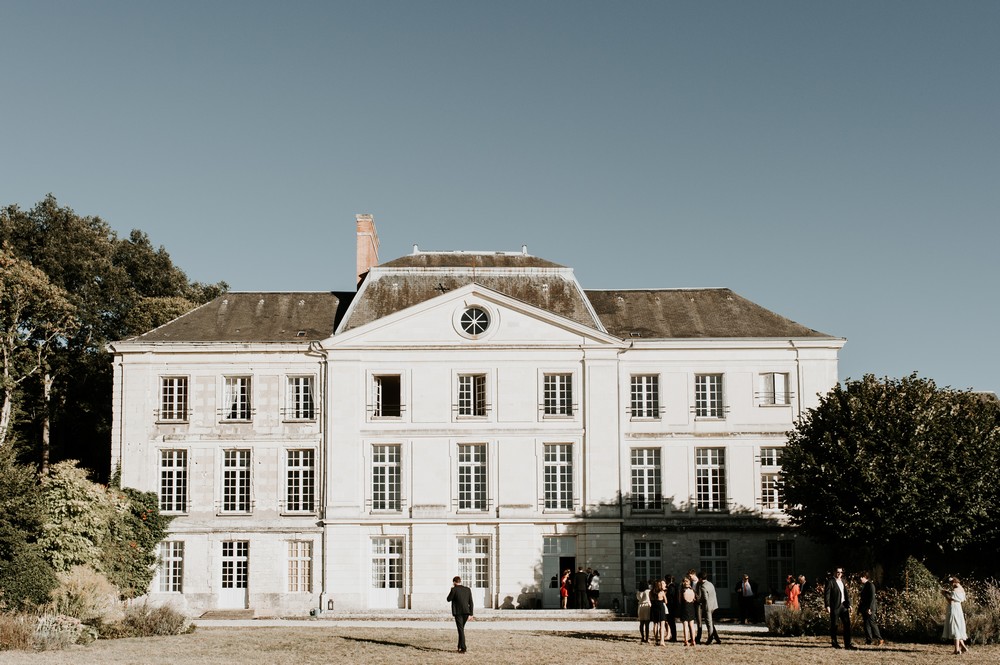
(475,321)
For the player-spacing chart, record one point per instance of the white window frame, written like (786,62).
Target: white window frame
(386,556)
(300,398)
(473,554)
(648,561)
(171,568)
(646,479)
(174,480)
(300,480)
(300,566)
(377,408)
(473,395)
(709,397)
(473,477)
(774,389)
(771,494)
(558,477)
(237,474)
(386,477)
(644,396)
(235,562)
(558,395)
(713,557)
(237,398)
(175,398)
(710,479)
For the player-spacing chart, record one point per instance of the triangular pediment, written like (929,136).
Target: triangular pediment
(472,316)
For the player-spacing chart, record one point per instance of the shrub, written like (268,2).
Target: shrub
(86,595)
(26,578)
(59,631)
(982,616)
(145,620)
(16,632)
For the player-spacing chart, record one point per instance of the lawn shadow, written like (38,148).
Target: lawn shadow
(815,643)
(389,643)
(597,637)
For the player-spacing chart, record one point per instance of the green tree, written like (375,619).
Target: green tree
(119,288)
(897,467)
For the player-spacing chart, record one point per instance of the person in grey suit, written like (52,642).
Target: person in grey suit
(708,602)
(460,598)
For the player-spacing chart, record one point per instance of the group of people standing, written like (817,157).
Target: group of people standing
(584,587)
(664,602)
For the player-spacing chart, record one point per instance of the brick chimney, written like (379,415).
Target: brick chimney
(367,245)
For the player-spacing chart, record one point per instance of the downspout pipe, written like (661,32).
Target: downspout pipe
(316,350)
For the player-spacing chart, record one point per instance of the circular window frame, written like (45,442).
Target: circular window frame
(459,320)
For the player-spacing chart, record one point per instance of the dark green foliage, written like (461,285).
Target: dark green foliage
(26,578)
(129,553)
(117,288)
(897,467)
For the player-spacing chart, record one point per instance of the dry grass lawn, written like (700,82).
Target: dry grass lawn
(306,646)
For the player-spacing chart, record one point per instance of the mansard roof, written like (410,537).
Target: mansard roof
(690,313)
(469,260)
(257,317)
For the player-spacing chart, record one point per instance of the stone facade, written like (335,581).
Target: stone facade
(433,431)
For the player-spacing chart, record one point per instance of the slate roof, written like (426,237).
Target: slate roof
(690,313)
(256,317)
(469,260)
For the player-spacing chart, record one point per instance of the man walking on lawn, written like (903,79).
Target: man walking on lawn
(460,598)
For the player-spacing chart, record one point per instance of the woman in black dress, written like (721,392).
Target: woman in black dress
(658,612)
(688,613)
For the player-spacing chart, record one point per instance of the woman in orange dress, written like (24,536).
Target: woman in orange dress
(792,592)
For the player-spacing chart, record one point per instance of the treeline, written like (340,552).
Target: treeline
(68,286)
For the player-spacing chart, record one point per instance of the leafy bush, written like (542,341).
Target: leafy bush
(86,595)
(26,578)
(145,620)
(982,615)
(16,632)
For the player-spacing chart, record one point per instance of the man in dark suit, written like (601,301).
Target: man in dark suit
(746,596)
(460,598)
(580,589)
(867,606)
(838,604)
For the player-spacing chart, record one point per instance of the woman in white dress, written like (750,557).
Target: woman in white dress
(642,596)
(954,621)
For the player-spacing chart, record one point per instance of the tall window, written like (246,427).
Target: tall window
(646,479)
(388,396)
(473,561)
(557,395)
(299,401)
(710,475)
(236,398)
(387,563)
(173,481)
(645,396)
(772,389)
(174,398)
(472,476)
(385,477)
(235,564)
(648,562)
(558,476)
(300,566)
(715,561)
(236,481)
(708,396)
(780,563)
(171,566)
(300,486)
(770,479)
(472,395)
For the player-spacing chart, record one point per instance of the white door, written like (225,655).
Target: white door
(387,573)
(474,567)
(558,554)
(235,574)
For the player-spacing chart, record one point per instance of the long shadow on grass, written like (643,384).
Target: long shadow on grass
(387,643)
(806,643)
(597,637)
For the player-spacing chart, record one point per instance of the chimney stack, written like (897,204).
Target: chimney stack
(367,245)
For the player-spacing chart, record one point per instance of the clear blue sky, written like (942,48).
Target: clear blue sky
(837,162)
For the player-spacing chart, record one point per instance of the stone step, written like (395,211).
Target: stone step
(228,614)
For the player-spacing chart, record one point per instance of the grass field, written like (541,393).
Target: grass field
(307,646)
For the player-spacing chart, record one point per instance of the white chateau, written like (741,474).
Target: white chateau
(472,413)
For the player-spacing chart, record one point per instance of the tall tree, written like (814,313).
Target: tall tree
(118,288)
(897,467)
